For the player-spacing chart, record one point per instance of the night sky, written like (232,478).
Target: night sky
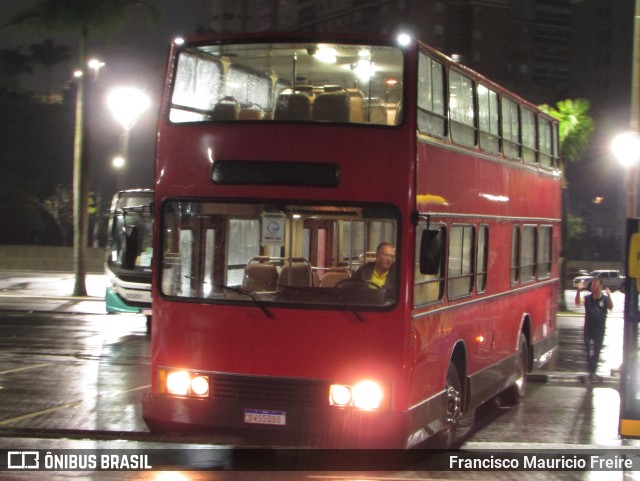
(135,56)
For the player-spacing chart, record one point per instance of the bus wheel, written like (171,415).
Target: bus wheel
(448,436)
(514,393)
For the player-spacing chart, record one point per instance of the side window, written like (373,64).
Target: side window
(482,258)
(461,109)
(544,251)
(515,255)
(545,143)
(429,268)
(510,129)
(460,265)
(528,253)
(555,147)
(431,104)
(488,120)
(528,136)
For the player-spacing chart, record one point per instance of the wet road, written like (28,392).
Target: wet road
(71,378)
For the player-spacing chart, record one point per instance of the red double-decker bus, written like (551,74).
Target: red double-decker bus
(287,163)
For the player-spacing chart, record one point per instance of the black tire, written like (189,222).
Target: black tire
(448,438)
(514,393)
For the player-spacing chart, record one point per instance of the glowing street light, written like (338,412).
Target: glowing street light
(95,65)
(626,149)
(126,105)
(118,162)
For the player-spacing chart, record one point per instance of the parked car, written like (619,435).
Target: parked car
(610,278)
(573,273)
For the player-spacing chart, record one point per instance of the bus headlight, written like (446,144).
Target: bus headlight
(184,383)
(364,395)
(340,395)
(178,383)
(367,395)
(200,386)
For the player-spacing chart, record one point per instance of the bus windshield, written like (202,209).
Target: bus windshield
(277,253)
(130,241)
(315,82)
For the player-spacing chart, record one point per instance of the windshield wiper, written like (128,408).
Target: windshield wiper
(257,302)
(241,291)
(334,295)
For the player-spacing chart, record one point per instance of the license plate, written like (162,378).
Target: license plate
(261,416)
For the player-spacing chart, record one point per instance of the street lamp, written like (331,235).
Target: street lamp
(95,65)
(626,149)
(126,105)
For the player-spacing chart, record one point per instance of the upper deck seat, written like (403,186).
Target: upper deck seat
(226,109)
(292,106)
(332,107)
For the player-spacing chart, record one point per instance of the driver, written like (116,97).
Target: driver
(381,273)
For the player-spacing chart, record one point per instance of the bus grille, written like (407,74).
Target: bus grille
(271,391)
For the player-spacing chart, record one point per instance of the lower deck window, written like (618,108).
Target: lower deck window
(278,253)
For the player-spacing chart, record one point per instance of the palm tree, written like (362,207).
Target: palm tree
(82,17)
(575,126)
(48,54)
(13,63)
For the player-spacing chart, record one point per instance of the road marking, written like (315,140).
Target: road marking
(69,405)
(35,366)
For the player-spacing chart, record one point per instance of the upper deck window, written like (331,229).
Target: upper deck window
(288,82)
(461,109)
(431,101)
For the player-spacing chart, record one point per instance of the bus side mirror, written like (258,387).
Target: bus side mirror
(633,269)
(431,252)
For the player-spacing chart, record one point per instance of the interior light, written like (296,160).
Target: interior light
(326,54)
(178,40)
(363,69)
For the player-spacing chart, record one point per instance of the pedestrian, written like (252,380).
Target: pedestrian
(596,305)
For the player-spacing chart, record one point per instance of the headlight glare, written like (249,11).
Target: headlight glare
(178,383)
(340,395)
(200,385)
(367,395)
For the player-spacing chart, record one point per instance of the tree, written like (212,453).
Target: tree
(49,55)
(82,17)
(59,206)
(575,126)
(13,63)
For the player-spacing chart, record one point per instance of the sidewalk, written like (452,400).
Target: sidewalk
(50,292)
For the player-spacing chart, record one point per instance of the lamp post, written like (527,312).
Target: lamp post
(126,104)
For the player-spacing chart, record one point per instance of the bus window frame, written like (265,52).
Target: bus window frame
(461,132)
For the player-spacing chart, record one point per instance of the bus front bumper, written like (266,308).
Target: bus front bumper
(308,426)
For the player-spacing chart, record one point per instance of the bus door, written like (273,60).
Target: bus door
(319,245)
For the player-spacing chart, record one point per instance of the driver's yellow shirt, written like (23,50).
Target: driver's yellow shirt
(378,279)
